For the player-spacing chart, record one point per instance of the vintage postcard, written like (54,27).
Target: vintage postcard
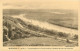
(39,25)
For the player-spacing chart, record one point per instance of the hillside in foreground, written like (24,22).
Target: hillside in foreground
(23,33)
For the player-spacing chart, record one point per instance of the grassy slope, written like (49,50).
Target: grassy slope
(38,41)
(36,38)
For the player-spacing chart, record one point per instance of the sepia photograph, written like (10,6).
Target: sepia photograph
(40,23)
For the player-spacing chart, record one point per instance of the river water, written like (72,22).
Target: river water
(47,25)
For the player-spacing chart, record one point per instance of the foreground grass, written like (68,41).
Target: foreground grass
(38,41)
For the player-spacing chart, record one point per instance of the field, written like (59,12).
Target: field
(24,33)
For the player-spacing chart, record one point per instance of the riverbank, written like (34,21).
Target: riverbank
(47,25)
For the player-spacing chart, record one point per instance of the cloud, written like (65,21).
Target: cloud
(38,4)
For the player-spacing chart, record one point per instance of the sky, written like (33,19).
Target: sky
(40,4)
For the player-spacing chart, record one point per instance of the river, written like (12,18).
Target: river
(47,25)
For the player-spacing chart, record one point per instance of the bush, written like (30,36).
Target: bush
(61,34)
(50,32)
(75,36)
